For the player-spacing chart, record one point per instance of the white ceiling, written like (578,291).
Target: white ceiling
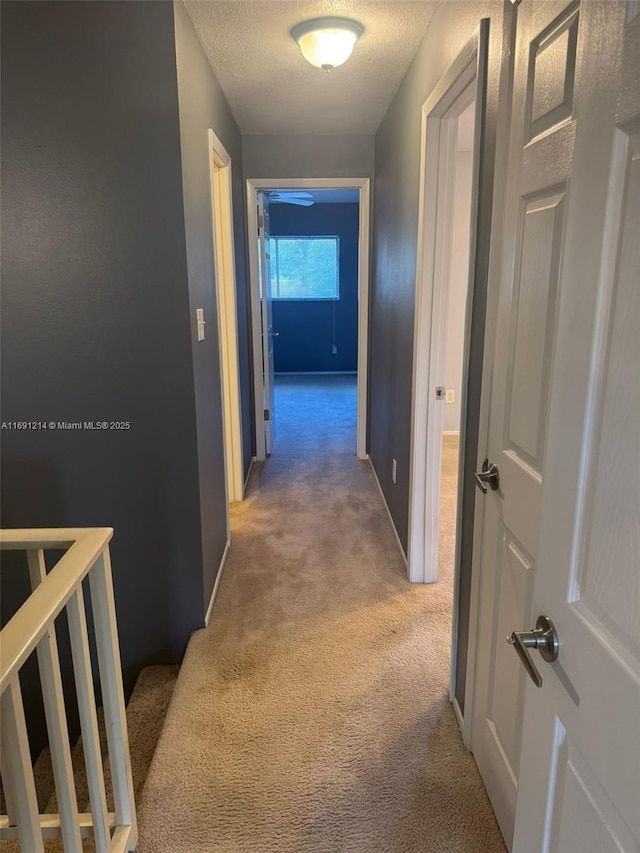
(271,89)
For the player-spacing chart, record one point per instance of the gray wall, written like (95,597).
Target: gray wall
(308,156)
(397,173)
(95,301)
(203,106)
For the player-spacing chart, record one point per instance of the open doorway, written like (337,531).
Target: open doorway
(454,310)
(313,249)
(310,282)
(224,286)
(443,426)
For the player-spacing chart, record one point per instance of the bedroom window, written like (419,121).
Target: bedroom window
(305,267)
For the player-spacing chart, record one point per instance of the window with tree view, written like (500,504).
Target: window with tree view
(305,267)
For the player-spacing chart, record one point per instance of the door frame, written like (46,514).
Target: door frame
(463,82)
(225,289)
(363,186)
(432,284)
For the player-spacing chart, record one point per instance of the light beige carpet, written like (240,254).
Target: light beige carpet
(312,716)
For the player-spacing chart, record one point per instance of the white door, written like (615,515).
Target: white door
(266,314)
(544,435)
(540,158)
(581,738)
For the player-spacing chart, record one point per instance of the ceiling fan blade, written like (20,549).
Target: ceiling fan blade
(278,195)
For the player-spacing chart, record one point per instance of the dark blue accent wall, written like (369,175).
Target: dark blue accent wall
(305,328)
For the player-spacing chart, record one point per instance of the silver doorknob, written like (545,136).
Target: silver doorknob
(274,334)
(488,474)
(544,638)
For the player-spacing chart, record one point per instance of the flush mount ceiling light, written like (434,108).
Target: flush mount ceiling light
(327,42)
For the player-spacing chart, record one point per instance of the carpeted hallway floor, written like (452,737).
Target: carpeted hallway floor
(312,716)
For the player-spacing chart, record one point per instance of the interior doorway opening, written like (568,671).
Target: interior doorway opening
(313,266)
(225,288)
(456,309)
(447,312)
(309,265)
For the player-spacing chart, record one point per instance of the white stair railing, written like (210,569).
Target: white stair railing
(32,628)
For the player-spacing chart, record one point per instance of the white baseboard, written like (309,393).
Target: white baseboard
(386,506)
(217,583)
(458,713)
(451,432)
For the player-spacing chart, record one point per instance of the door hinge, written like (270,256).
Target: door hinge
(441,392)
(260,221)
(267,415)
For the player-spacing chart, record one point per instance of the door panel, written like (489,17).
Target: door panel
(534,320)
(551,72)
(585,818)
(507,690)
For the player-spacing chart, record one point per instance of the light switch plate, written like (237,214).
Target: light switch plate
(450,396)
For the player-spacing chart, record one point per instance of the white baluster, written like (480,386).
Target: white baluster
(104,615)
(88,718)
(55,713)
(17,771)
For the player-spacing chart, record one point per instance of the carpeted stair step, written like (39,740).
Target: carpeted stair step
(43,778)
(146,712)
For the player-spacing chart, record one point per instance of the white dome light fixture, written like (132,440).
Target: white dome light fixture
(327,42)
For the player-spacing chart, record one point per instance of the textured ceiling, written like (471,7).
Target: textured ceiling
(271,89)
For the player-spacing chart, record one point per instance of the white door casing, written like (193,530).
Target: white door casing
(266,318)
(581,788)
(463,82)
(581,736)
(256,185)
(224,262)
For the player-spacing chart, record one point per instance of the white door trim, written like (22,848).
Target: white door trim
(431,300)
(225,287)
(362,185)
(464,80)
